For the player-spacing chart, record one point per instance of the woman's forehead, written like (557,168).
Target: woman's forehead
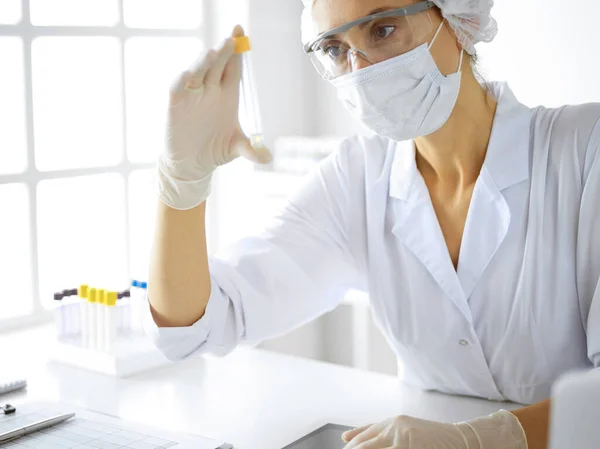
(328,14)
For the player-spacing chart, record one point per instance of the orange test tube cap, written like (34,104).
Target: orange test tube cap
(242,44)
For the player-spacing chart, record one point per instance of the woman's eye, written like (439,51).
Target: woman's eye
(333,52)
(384,31)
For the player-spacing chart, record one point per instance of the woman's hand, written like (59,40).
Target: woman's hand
(500,430)
(203,130)
(404,432)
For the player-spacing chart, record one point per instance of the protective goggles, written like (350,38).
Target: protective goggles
(374,38)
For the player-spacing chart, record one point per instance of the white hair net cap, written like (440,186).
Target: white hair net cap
(471,20)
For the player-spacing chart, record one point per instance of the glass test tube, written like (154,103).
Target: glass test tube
(138,302)
(110,323)
(249,95)
(92,318)
(84,311)
(59,315)
(100,319)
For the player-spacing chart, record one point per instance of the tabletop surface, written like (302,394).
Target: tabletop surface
(251,398)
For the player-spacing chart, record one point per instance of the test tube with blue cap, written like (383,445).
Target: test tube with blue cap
(138,302)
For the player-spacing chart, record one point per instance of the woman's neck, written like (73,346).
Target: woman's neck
(454,154)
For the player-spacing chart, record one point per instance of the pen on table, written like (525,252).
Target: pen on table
(34,427)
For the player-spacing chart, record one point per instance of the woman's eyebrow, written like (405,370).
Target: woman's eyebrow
(382,9)
(364,24)
(376,11)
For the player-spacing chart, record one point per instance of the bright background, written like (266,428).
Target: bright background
(83,86)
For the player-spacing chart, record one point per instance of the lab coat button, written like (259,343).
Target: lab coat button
(463,342)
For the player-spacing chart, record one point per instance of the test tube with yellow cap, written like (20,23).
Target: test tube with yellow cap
(251,111)
(110,329)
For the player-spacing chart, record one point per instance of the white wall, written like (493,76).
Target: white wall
(548,50)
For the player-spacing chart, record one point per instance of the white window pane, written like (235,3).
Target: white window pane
(151,65)
(15,261)
(13,155)
(142,213)
(10,12)
(77,102)
(176,14)
(74,12)
(81,233)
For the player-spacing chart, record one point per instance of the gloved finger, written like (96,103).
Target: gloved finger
(378,445)
(200,68)
(233,69)
(243,147)
(348,435)
(177,93)
(374,443)
(224,54)
(365,435)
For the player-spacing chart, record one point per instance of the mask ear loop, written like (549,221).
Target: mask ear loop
(437,33)
(460,61)
(462,51)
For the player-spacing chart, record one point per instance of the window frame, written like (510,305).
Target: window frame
(31,177)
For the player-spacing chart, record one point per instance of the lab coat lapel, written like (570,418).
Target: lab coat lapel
(487,224)
(417,226)
(506,164)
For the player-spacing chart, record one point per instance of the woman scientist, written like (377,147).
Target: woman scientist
(470,219)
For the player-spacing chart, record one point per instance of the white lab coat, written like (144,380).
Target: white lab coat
(523,306)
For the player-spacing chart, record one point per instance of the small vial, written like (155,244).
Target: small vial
(138,303)
(251,110)
(59,318)
(124,313)
(110,317)
(100,319)
(92,318)
(84,312)
(67,313)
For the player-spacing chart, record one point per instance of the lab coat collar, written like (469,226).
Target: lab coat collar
(507,158)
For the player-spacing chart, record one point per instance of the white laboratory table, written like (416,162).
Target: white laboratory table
(252,398)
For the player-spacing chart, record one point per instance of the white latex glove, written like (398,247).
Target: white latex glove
(501,430)
(203,130)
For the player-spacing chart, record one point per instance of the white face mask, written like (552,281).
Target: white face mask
(401,98)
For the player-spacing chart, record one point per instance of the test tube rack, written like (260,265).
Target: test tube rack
(102,331)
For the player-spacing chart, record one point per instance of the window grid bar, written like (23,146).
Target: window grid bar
(119,30)
(121,26)
(31,186)
(33,175)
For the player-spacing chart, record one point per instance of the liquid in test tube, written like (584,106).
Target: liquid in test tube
(251,110)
